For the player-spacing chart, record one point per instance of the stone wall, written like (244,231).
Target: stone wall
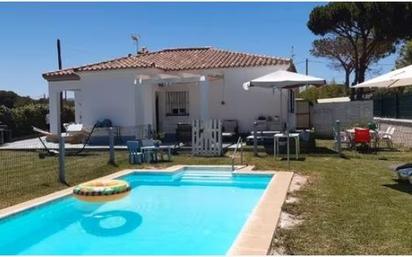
(403,130)
(324,115)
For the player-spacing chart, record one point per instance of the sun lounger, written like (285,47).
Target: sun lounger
(70,137)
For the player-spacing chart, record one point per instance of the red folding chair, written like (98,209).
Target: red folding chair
(362,136)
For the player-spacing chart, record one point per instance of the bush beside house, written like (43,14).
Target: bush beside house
(21,113)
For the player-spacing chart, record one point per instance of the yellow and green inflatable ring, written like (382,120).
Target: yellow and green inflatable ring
(102,191)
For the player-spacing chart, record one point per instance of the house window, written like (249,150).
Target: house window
(177,103)
(291,101)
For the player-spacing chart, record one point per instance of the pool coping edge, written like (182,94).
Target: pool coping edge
(255,238)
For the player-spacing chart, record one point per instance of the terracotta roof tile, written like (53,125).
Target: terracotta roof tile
(177,59)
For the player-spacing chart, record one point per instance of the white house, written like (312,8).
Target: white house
(169,86)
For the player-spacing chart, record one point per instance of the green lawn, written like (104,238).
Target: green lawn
(351,205)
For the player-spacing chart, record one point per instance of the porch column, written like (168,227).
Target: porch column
(54,110)
(144,101)
(78,106)
(204,98)
(139,104)
(148,102)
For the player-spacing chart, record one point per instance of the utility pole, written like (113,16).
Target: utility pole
(307,64)
(59,63)
(307,70)
(59,55)
(62,177)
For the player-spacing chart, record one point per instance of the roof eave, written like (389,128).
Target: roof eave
(66,77)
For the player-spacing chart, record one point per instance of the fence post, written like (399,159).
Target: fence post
(338,139)
(111,146)
(62,177)
(255,138)
(194,128)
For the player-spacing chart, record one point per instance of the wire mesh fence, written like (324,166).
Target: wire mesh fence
(29,173)
(23,175)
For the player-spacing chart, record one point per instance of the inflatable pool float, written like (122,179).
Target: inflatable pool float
(101,191)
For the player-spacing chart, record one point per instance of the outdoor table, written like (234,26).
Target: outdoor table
(373,133)
(165,148)
(278,136)
(148,151)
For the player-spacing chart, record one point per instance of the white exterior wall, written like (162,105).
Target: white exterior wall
(246,106)
(113,95)
(108,95)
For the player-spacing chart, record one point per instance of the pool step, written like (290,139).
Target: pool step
(223,182)
(206,175)
(206,181)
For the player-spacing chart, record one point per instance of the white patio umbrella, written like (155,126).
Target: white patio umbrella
(283,80)
(398,78)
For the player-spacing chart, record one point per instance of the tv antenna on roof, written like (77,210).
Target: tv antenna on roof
(136,38)
(292,53)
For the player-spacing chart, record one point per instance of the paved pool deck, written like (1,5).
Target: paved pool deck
(32,144)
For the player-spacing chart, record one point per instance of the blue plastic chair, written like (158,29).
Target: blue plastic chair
(135,153)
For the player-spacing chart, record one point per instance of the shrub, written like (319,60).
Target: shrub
(21,119)
(314,93)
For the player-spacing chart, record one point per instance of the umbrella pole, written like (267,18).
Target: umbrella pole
(287,131)
(288,149)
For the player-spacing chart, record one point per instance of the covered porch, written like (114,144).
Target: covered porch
(164,100)
(157,102)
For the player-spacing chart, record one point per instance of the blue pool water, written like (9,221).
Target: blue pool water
(193,212)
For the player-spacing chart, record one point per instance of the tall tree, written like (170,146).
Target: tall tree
(405,55)
(340,52)
(368,26)
(337,50)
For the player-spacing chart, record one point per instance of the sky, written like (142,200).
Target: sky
(93,32)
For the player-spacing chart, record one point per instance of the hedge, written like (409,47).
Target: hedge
(21,119)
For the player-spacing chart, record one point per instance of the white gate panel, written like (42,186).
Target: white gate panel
(207,137)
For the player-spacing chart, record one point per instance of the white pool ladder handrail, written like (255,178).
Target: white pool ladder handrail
(239,142)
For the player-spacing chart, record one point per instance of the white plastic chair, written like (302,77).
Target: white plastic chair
(345,138)
(387,136)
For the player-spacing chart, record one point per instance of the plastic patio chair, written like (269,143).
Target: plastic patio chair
(135,153)
(345,138)
(387,136)
(362,136)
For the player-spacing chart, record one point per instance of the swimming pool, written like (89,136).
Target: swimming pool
(192,211)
